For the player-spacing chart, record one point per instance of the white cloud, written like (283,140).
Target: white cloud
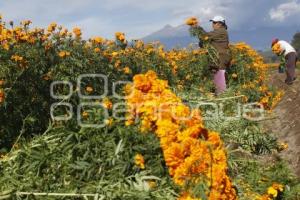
(285,10)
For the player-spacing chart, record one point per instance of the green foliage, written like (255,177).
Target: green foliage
(258,174)
(89,161)
(47,156)
(296,42)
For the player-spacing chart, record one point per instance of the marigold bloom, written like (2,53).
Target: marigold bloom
(139,161)
(107,103)
(192,21)
(277,48)
(63,54)
(77,31)
(97,50)
(85,114)
(16,58)
(185,154)
(89,89)
(109,121)
(120,36)
(126,70)
(52,27)
(97,40)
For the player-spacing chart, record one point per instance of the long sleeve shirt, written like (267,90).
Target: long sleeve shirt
(220,40)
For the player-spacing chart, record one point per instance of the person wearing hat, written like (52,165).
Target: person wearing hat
(283,48)
(220,41)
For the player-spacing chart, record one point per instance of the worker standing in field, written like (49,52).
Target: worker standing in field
(220,41)
(283,48)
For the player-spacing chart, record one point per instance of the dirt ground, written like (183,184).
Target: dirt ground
(286,125)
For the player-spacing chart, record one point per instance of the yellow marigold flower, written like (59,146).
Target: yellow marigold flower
(120,36)
(126,70)
(97,40)
(234,75)
(63,33)
(139,44)
(278,187)
(85,114)
(277,48)
(16,58)
(273,192)
(89,89)
(26,22)
(187,196)
(114,54)
(139,161)
(77,31)
(151,184)
(129,122)
(63,54)
(145,125)
(109,121)
(5,46)
(107,103)
(192,21)
(52,27)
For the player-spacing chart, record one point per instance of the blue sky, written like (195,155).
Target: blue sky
(138,18)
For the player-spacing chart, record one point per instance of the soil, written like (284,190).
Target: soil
(286,125)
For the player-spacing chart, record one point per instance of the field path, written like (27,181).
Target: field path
(286,126)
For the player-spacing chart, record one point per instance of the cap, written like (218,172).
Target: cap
(218,19)
(274,41)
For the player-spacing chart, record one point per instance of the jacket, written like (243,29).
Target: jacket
(220,41)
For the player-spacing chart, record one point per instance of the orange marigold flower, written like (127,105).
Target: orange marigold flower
(97,50)
(186,155)
(192,21)
(77,31)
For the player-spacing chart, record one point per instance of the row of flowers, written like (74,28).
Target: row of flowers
(192,153)
(247,71)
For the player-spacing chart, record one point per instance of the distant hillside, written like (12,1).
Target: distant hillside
(258,38)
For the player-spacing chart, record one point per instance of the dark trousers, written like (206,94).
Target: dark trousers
(291,61)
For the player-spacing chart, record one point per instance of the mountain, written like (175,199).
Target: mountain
(172,36)
(259,38)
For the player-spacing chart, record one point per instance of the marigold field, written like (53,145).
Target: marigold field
(140,153)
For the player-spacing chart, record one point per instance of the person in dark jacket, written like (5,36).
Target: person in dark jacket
(220,41)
